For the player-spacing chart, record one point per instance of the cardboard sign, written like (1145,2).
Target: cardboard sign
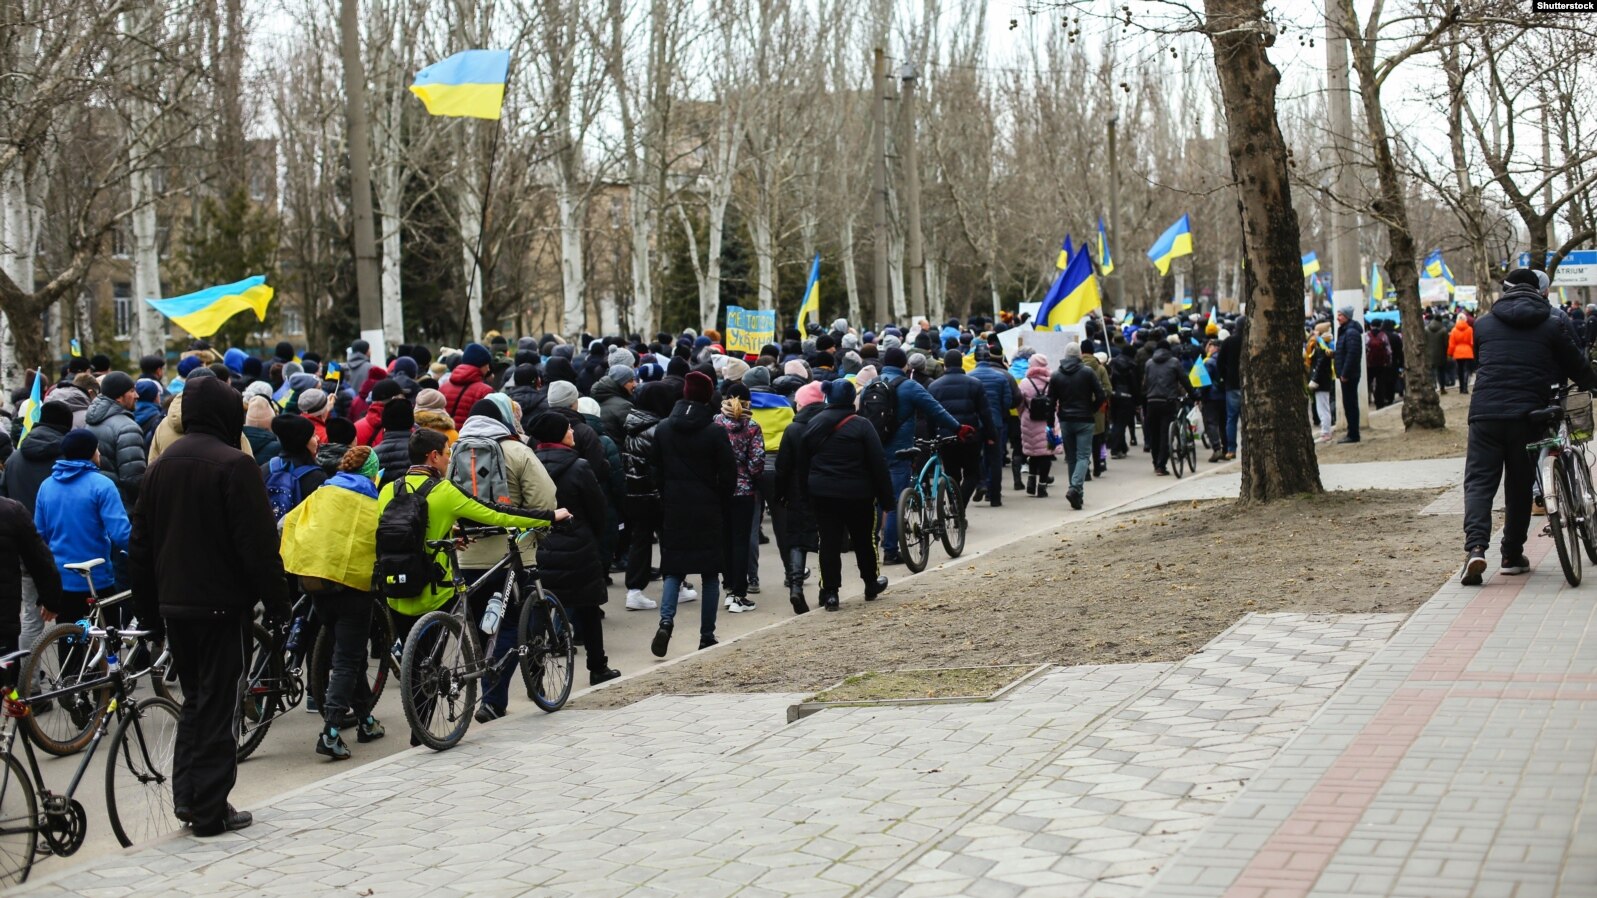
(748,330)
(1049,343)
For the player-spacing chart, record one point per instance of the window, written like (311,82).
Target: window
(125,310)
(292,323)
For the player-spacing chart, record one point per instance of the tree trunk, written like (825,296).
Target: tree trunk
(149,327)
(850,273)
(764,243)
(572,208)
(1471,209)
(1279,460)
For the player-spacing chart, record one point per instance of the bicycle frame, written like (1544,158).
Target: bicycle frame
(514,569)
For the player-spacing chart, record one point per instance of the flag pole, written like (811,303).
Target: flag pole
(482,224)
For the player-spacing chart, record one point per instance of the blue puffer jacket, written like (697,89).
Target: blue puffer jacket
(80,514)
(912,400)
(1000,389)
(965,398)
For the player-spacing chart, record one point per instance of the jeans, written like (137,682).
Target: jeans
(1322,407)
(993,461)
(1078,451)
(32,624)
(899,469)
(1156,429)
(708,600)
(347,614)
(1350,406)
(1233,414)
(1496,454)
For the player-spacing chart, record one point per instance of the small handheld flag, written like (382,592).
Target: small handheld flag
(77,348)
(1311,264)
(30,414)
(810,308)
(469,84)
(1199,375)
(1106,264)
(1175,241)
(203,314)
(1073,295)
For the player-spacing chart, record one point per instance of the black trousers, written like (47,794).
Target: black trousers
(1383,380)
(643,525)
(993,462)
(1122,421)
(1156,429)
(962,461)
(1496,454)
(845,521)
(1465,368)
(347,614)
(1214,423)
(209,657)
(739,520)
(1350,406)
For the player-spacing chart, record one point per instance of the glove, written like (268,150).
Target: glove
(966,432)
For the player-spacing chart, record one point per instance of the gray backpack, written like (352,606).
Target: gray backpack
(478,468)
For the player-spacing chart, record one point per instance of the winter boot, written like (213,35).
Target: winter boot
(1031,484)
(1015,466)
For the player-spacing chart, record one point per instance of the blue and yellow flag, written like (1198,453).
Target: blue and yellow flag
(811,307)
(1106,264)
(76,347)
(1311,264)
(1065,252)
(1199,375)
(1175,241)
(1437,268)
(1073,295)
(470,84)
(30,408)
(1377,287)
(203,314)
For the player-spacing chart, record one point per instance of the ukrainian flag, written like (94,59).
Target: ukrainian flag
(470,84)
(203,314)
(29,410)
(1106,265)
(1199,375)
(1437,268)
(1073,295)
(811,307)
(1377,287)
(1175,241)
(1065,251)
(1311,264)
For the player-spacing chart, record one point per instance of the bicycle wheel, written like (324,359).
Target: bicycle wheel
(550,665)
(950,517)
(1173,448)
(138,775)
(914,532)
(1564,523)
(1192,452)
(62,658)
(1588,519)
(19,816)
(263,690)
(433,687)
(377,669)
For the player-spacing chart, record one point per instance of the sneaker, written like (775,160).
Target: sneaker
(980,495)
(1474,566)
(637,601)
(312,706)
(662,640)
(738,605)
(705,643)
(330,744)
(891,558)
(686,593)
(603,676)
(370,730)
(1075,498)
(231,821)
(754,585)
(488,713)
(1518,564)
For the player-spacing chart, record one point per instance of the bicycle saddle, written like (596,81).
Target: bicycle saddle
(83,567)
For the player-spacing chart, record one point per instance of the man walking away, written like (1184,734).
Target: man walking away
(1522,348)
(1000,388)
(843,475)
(1349,365)
(203,554)
(1165,383)
(964,397)
(1077,394)
(1231,375)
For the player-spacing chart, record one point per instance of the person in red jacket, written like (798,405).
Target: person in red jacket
(467,383)
(369,429)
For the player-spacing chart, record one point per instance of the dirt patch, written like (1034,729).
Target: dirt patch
(1382,438)
(948,682)
(1152,585)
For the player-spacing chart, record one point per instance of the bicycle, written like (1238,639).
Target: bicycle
(64,656)
(440,667)
(138,774)
(1561,464)
(274,677)
(929,507)
(1183,440)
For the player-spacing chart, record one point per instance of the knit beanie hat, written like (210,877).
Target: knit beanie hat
(293,431)
(258,412)
(548,427)
(698,387)
(809,394)
(313,402)
(894,357)
(115,385)
(476,355)
(79,445)
(562,394)
(430,399)
(398,415)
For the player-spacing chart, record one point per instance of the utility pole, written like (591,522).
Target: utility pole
(878,185)
(1117,287)
(360,177)
(917,252)
(1345,262)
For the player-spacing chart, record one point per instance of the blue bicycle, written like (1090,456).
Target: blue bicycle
(929,507)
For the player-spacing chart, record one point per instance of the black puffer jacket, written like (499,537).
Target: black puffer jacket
(393,455)
(1164,378)
(121,445)
(965,398)
(568,555)
(791,481)
(1075,390)
(842,458)
(697,473)
(22,549)
(637,451)
(30,465)
(1522,349)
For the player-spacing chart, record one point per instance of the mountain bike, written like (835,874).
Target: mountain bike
(441,663)
(67,654)
(1563,479)
(274,676)
(138,773)
(929,507)
(1183,436)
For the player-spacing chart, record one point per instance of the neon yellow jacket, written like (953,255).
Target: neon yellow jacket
(333,533)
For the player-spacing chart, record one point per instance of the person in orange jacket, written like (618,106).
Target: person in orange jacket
(1461,349)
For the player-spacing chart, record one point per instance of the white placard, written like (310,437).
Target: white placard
(1049,343)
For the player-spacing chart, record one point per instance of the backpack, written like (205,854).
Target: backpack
(405,567)
(282,485)
(879,405)
(1040,407)
(1378,349)
(477,466)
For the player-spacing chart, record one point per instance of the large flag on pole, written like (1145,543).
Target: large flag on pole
(810,308)
(1437,268)
(1106,263)
(1073,295)
(1175,241)
(203,314)
(470,84)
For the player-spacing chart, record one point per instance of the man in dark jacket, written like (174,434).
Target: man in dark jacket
(527,391)
(613,392)
(1231,376)
(1349,366)
(1436,350)
(1521,348)
(357,364)
(27,468)
(110,419)
(1001,395)
(1164,384)
(697,474)
(846,480)
(1077,394)
(965,398)
(23,557)
(202,556)
(1125,387)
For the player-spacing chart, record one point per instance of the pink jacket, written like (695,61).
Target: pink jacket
(1034,434)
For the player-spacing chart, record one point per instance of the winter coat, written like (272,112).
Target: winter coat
(1165,378)
(531,399)
(637,454)
(1461,342)
(170,430)
(23,551)
(614,403)
(840,457)
(1522,348)
(264,444)
(121,445)
(1075,391)
(589,446)
(370,426)
(697,471)
(464,388)
(914,401)
(1230,361)
(203,519)
(1100,421)
(568,555)
(615,485)
(748,451)
(80,515)
(1436,339)
(530,486)
(1000,389)
(792,481)
(393,455)
(965,398)
(1349,351)
(1322,373)
(356,369)
(1124,376)
(1034,434)
(332,533)
(29,467)
(148,416)
(433,419)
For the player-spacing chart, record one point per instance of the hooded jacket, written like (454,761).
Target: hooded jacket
(748,451)
(697,471)
(1461,341)
(636,454)
(530,485)
(1522,349)
(568,555)
(965,398)
(370,427)
(1437,336)
(1034,434)
(1165,378)
(121,445)
(1000,388)
(22,550)
(30,466)
(204,544)
(1076,391)
(614,403)
(356,369)
(464,388)
(171,429)
(80,515)
(913,401)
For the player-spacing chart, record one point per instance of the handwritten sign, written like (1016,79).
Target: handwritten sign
(748,330)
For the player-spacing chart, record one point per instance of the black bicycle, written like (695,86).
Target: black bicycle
(1563,479)
(441,664)
(138,773)
(1183,435)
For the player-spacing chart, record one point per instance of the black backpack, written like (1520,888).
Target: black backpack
(1040,407)
(879,405)
(405,567)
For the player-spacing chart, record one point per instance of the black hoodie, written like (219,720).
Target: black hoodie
(204,544)
(30,465)
(1523,349)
